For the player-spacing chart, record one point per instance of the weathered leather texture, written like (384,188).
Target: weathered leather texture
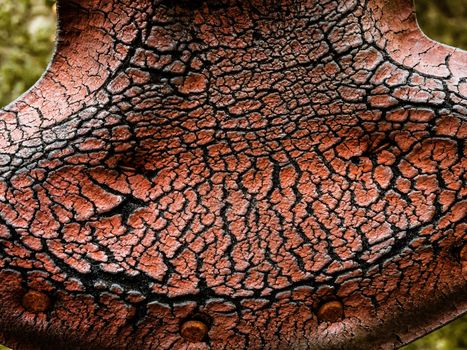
(249,160)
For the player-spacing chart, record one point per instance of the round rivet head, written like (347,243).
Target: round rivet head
(331,311)
(34,301)
(194,331)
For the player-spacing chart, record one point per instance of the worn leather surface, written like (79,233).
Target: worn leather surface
(249,160)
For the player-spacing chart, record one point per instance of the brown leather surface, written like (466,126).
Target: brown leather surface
(292,172)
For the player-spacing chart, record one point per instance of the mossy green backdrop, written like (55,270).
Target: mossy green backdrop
(27,35)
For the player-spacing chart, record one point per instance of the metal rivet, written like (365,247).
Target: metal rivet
(194,331)
(332,311)
(34,301)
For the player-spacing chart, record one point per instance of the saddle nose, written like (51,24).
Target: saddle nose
(234,175)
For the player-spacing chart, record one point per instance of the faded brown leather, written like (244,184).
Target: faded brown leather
(249,160)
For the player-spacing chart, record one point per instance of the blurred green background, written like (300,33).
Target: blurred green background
(27,35)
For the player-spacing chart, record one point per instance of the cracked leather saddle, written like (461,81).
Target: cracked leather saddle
(235,174)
